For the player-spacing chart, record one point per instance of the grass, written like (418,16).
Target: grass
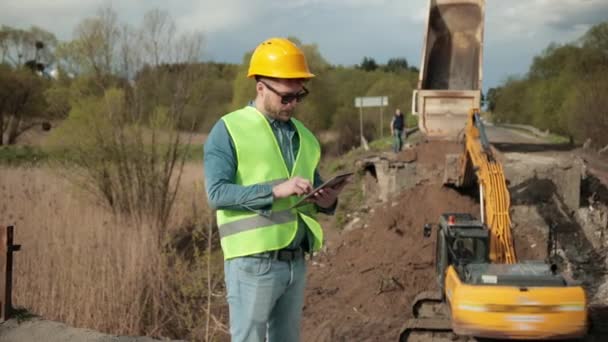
(85,266)
(15,155)
(22,314)
(557,139)
(22,155)
(352,196)
(551,138)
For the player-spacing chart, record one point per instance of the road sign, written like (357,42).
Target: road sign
(371,101)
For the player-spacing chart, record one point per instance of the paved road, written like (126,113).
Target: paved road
(498,134)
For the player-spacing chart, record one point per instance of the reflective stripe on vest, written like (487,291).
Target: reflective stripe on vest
(245,232)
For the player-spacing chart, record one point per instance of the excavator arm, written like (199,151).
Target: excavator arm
(479,164)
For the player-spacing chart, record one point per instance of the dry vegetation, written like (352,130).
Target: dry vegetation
(83,265)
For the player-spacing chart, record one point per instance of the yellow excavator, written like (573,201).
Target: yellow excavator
(484,291)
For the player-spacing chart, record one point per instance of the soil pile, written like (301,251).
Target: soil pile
(361,287)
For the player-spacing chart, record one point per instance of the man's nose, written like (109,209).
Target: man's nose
(291,103)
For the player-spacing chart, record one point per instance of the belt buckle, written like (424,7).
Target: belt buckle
(287,255)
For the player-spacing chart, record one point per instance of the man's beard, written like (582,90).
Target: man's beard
(278,113)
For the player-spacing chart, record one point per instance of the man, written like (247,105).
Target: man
(258,159)
(462,252)
(397,130)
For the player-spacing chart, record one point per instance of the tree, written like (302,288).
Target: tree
(22,102)
(396,65)
(597,38)
(316,110)
(368,64)
(491,97)
(34,46)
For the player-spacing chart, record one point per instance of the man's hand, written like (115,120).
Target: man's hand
(326,197)
(295,186)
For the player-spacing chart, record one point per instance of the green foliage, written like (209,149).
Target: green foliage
(597,38)
(491,98)
(127,160)
(562,91)
(350,83)
(22,314)
(243,87)
(22,101)
(368,64)
(382,144)
(21,155)
(396,65)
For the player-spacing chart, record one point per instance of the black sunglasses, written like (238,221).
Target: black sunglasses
(287,98)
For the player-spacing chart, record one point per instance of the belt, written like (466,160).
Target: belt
(281,254)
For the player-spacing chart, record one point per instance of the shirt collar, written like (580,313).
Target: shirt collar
(273,122)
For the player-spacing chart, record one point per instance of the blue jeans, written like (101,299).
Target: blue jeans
(265,298)
(398,141)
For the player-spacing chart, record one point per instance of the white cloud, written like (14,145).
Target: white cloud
(345,30)
(559,18)
(210,17)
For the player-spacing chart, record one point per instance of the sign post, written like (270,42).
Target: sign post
(371,101)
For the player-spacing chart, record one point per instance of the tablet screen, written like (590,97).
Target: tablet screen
(334,181)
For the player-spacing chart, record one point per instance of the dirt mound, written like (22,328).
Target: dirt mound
(361,287)
(432,154)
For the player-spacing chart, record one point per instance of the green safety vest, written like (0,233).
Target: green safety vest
(244,232)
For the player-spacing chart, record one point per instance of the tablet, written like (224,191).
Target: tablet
(334,181)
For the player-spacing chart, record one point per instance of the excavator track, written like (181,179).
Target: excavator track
(427,329)
(431,320)
(429,304)
(598,316)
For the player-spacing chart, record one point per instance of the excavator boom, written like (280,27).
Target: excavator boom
(494,195)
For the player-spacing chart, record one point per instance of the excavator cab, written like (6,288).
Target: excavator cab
(461,240)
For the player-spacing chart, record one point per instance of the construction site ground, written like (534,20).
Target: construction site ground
(375,260)
(361,285)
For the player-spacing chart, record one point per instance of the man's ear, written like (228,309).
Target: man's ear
(259,87)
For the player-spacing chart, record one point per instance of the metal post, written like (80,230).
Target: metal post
(6,270)
(381,119)
(361,124)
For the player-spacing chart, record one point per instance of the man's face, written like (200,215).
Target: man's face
(274,92)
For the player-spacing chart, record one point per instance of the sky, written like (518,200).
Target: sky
(344,30)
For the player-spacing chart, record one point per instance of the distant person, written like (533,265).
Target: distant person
(257,160)
(397,130)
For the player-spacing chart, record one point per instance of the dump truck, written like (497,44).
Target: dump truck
(483,290)
(449,82)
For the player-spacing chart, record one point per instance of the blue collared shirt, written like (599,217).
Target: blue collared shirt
(220,169)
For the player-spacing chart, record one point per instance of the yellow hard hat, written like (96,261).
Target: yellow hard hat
(278,58)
